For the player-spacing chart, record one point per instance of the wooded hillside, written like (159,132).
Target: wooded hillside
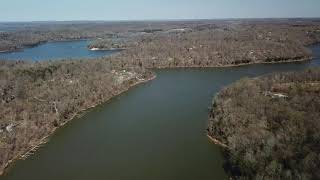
(36,98)
(270,126)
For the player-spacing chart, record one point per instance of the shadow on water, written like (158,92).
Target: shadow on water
(154,131)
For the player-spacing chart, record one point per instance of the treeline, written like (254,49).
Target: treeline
(111,43)
(36,98)
(270,126)
(13,41)
(16,36)
(191,38)
(223,45)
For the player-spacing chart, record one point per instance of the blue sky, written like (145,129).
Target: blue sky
(41,10)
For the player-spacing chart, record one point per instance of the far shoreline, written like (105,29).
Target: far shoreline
(81,112)
(41,43)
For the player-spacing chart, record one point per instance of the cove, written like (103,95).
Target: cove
(153,131)
(55,51)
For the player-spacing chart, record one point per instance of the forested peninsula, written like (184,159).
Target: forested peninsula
(269,126)
(38,97)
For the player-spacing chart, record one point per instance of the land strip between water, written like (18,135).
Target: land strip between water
(37,98)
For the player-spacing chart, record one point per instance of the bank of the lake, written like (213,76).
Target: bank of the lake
(56,50)
(77,114)
(49,94)
(274,133)
(153,131)
(70,115)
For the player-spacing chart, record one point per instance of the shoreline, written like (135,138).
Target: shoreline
(79,114)
(217,142)
(106,49)
(5,51)
(301,84)
(18,49)
(233,65)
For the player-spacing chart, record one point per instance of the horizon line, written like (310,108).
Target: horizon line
(157,20)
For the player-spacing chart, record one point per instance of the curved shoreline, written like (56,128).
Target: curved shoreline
(18,49)
(218,142)
(248,155)
(235,65)
(81,112)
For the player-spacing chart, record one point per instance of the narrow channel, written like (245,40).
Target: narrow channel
(153,131)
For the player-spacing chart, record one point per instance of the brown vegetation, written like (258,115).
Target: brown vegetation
(110,44)
(36,98)
(16,36)
(270,126)
(223,46)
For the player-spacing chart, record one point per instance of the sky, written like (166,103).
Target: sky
(111,10)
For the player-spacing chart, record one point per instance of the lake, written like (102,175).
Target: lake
(154,131)
(55,51)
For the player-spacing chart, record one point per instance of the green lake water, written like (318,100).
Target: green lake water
(155,131)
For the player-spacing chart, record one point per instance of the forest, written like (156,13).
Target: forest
(215,45)
(16,36)
(38,97)
(269,126)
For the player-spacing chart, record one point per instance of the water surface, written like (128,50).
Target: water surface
(154,131)
(55,51)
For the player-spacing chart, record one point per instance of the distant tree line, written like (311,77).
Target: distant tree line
(223,45)
(35,98)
